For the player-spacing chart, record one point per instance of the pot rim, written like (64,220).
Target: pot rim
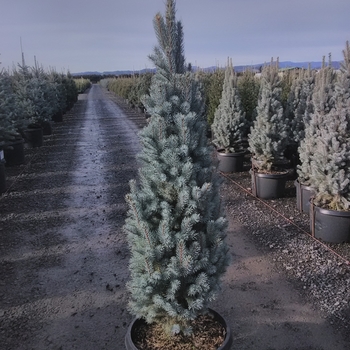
(330,212)
(282,174)
(225,345)
(230,154)
(306,187)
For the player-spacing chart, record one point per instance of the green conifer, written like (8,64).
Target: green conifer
(213,92)
(299,106)
(25,109)
(330,163)
(322,101)
(7,113)
(298,109)
(248,88)
(229,120)
(175,226)
(268,138)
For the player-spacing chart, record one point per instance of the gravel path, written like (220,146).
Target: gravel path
(64,258)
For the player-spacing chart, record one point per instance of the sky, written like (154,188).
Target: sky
(109,35)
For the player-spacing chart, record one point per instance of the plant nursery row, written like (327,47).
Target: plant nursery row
(30,100)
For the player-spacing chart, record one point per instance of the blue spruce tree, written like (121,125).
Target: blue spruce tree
(8,130)
(175,226)
(299,106)
(229,123)
(268,136)
(318,106)
(330,163)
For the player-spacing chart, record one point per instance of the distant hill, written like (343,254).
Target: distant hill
(285,64)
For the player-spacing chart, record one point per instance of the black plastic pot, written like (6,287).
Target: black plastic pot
(268,186)
(34,136)
(304,194)
(129,344)
(230,162)
(2,176)
(14,153)
(330,225)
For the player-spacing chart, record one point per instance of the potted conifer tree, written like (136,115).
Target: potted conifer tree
(229,125)
(213,92)
(319,102)
(268,137)
(175,226)
(299,109)
(7,130)
(248,88)
(330,161)
(28,102)
(11,141)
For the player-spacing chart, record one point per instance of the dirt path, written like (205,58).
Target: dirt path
(63,256)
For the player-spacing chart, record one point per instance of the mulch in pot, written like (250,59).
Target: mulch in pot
(207,334)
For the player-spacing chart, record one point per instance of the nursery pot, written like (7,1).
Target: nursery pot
(331,226)
(304,194)
(226,345)
(34,135)
(230,162)
(14,152)
(2,174)
(268,185)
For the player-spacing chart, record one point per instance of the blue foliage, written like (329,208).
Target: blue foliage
(175,225)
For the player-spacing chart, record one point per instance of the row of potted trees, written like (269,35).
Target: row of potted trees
(175,226)
(30,100)
(311,130)
(132,87)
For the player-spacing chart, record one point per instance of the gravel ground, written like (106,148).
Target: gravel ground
(64,258)
(321,271)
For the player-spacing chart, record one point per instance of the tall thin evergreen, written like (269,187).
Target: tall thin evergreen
(8,130)
(322,101)
(214,93)
(229,119)
(175,226)
(25,109)
(248,88)
(299,108)
(268,136)
(330,164)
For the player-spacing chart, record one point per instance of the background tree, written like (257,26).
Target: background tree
(248,88)
(330,164)
(298,110)
(175,226)
(213,93)
(268,138)
(25,109)
(322,101)
(229,124)
(8,130)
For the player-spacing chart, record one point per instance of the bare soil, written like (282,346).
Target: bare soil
(64,257)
